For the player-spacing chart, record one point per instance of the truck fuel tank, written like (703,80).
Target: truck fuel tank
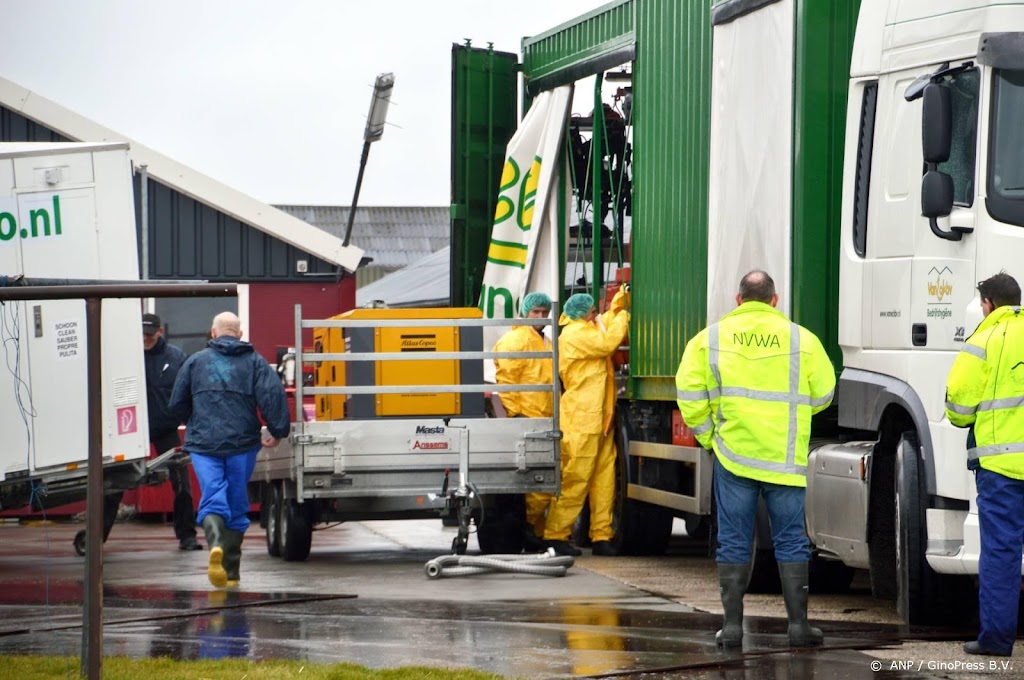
(839,470)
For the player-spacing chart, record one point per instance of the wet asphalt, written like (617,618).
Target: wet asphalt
(363,597)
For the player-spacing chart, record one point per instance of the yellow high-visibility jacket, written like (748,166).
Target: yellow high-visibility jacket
(748,385)
(525,372)
(585,366)
(985,388)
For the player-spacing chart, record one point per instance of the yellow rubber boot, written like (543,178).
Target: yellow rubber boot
(213,526)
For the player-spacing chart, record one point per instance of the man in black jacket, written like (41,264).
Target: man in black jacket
(163,360)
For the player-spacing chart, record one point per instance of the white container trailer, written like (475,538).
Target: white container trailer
(67,211)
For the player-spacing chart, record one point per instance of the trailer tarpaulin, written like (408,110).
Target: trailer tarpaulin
(751,149)
(523,253)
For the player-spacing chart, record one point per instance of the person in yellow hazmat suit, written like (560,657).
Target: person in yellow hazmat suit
(535,305)
(585,345)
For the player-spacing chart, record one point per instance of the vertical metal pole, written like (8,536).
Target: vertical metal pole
(144,218)
(464,459)
(92,610)
(556,381)
(355,197)
(597,170)
(299,413)
(468,294)
(556,388)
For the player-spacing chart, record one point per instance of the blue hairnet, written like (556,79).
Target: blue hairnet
(579,305)
(533,301)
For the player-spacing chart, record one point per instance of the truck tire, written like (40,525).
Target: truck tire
(922,596)
(503,523)
(764,570)
(829,576)
(273,519)
(640,528)
(296,530)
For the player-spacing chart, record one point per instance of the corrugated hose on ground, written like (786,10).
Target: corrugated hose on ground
(540,564)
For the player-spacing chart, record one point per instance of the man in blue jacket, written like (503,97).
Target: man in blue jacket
(221,392)
(163,361)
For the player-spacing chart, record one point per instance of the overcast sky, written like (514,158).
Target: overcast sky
(269,96)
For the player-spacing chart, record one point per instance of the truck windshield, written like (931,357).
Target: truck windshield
(1006,153)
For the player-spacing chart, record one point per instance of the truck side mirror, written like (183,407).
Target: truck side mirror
(936,194)
(937,123)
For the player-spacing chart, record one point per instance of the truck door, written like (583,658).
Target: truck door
(483,120)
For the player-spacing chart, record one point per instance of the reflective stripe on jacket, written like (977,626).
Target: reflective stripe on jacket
(985,388)
(748,385)
(525,372)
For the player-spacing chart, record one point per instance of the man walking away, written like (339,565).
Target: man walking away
(163,361)
(221,392)
(985,391)
(747,387)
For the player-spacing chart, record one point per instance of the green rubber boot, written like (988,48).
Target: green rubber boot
(213,526)
(233,555)
(794,590)
(732,583)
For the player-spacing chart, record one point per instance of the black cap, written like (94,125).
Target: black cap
(150,324)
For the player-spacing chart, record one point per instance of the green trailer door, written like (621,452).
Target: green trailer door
(483,120)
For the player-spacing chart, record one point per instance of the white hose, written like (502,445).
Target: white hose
(542,564)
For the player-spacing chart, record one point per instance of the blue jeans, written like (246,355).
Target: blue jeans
(1001,521)
(737,511)
(224,482)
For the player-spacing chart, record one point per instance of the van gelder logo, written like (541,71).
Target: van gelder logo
(41,222)
(940,292)
(940,287)
(423,429)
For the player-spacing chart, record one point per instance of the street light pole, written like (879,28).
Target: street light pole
(375,122)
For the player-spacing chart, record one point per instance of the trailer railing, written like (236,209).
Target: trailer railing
(300,357)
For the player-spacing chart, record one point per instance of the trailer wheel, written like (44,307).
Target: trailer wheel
(273,523)
(296,530)
(504,522)
(79,543)
(640,528)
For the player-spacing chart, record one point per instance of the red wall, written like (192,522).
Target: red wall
(272,310)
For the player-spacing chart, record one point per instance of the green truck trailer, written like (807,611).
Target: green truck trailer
(863,153)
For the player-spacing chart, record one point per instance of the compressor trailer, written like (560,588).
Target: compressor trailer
(390,434)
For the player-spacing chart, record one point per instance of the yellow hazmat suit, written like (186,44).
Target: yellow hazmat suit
(587,411)
(527,404)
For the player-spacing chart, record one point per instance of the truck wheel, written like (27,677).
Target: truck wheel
(922,596)
(640,528)
(273,523)
(829,576)
(504,521)
(764,570)
(296,530)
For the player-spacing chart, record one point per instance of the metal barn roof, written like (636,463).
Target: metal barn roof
(393,236)
(183,179)
(422,284)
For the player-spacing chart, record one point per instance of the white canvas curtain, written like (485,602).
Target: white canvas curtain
(523,253)
(749,202)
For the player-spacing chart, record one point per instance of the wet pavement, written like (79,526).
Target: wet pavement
(362,597)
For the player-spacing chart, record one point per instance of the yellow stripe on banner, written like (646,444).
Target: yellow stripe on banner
(511,253)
